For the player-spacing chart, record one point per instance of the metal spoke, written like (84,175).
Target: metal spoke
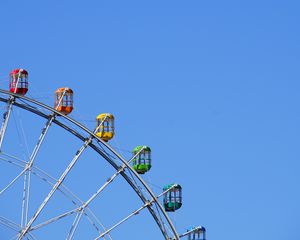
(55,187)
(121,169)
(123,220)
(63,189)
(59,182)
(13,157)
(31,237)
(11,162)
(65,192)
(12,182)
(9,224)
(93,215)
(85,205)
(15,227)
(75,225)
(134,213)
(69,213)
(10,103)
(40,140)
(27,175)
(23,214)
(5,120)
(53,219)
(27,196)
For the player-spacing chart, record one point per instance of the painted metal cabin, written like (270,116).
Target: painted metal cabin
(173,197)
(142,162)
(64,100)
(18,81)
(105,126)
(196,233)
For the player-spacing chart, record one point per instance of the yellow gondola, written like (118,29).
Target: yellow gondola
(106,130)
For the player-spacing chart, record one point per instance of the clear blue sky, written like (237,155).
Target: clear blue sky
(211,86)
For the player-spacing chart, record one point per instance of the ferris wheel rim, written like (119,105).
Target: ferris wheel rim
(94,147)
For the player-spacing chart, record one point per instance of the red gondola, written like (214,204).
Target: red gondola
(18,81)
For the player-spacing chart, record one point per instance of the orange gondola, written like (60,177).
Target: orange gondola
(64,100)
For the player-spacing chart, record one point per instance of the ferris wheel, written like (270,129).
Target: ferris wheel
(80,187)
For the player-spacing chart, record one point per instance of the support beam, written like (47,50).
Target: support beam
(59,182)
(6,117)
(27,170)
(133,213)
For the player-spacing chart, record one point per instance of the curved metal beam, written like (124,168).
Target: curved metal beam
(99,151)
(74,132)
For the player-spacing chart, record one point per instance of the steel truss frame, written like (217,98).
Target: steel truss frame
(94,142)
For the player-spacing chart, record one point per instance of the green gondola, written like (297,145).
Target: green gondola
(142,162)
(173,197)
